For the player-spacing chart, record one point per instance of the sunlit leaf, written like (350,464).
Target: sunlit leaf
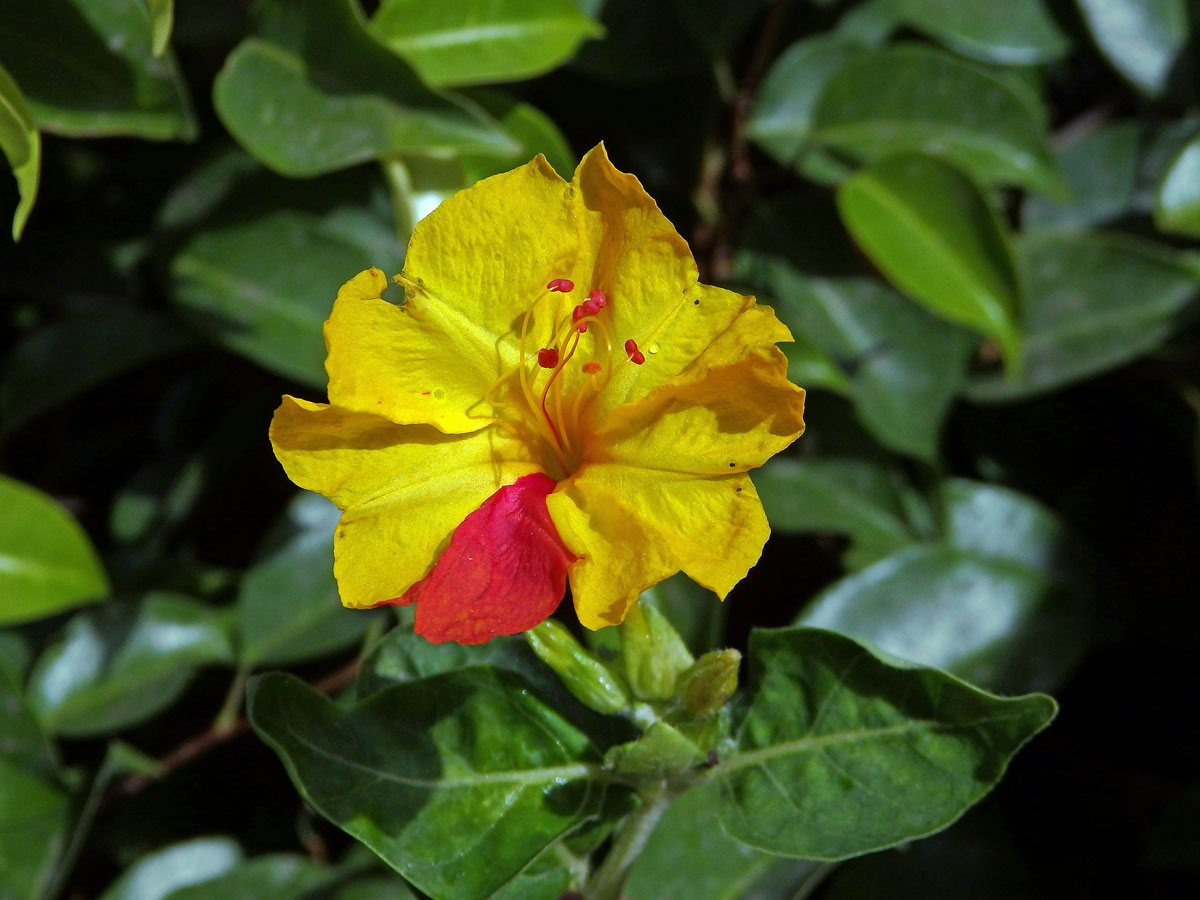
(22,147)
(159,873)
(1141,38)
(1177,208)
(162,19)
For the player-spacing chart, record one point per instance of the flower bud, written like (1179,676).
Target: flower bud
(653,653)
(590,681)
(706,686)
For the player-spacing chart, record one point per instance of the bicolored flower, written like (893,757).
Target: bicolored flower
(555,397)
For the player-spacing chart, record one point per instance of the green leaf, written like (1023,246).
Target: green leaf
(995,600)
(457,781)
(376,887)
(47,564)
(162,19)
(1092,302)
(841,753)
(156,875)
(880,103)
(22,740)
(276,876)
(34,380)
(22,147)
(934,235)
(483,41)
(695,612)
(1140,38)
(1015,33)
(118,667)
(857,498)
(1177,203)
(288,609)
(531,131)
(88,70)
(318,93)
(33,822)
(1101,171)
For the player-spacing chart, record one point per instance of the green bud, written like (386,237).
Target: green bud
(653,653)
(706,686)
(591,682)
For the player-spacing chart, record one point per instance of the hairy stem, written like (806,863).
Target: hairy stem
(606,882)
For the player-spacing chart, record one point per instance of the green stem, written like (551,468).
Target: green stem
(606,882)
(232,706)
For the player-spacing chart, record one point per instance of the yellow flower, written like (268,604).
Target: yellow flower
(557,397)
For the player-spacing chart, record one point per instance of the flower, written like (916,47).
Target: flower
(557,397)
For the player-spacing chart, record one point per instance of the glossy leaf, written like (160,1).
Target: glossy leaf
(853,497)
(22,147)
(993,600)
(1017,32)
(841,753)
(881,103)
(1100,168)
(934,235)
(47,563)
(277,876)
(317,92)
(1177,207)
(33,822)
(457,781)
(1141,38)
(87,69)
(483,41)
(160,873)
(120,666)
(162,20)
(288,609)
(1092,302)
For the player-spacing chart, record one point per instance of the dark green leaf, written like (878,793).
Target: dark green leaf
(457,781)
(935,236)
(33,821)
(841,753)
(1141,38)
(908,98)
(320,93)
(1177,208)
(279,876)
(22,740)
(1092,302)
(696,613)
(1017,32)
(642,42)
(47,564)
(21,145)
(156,875)
(120,666)
(483,41)
(532,132)
(88,70)
(1101,170)
(853,497)
(378,887)
(287,608)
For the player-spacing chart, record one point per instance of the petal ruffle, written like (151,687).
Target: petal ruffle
(403,489)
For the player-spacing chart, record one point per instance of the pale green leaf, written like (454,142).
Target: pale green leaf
(1177,206)
(1015,32)
(21,145)
(1141,38)
(157,874)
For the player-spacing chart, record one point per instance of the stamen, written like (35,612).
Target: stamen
(578,313)
(561,285)
(635,355)
(595,302)
(548,357)
(591,367)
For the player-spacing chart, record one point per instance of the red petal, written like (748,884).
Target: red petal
(504,571)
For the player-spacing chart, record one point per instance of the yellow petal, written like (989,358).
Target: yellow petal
(404,489)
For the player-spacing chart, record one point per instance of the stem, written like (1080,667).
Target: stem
(606,882)
(228,715)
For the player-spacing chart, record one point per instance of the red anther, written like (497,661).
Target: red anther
(591,367)
(576,314)
(562,285)
(595,302)
(548,357)
(635,355)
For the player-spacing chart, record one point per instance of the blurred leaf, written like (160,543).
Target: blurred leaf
(842,753)
(162,19)
(34,380)
(695,612)
(1101,170)
(22,740)
(288,609)
(1092,302)
(483,41)
(21,145)
(934,235)
(457,781)
(642,42)
(1177,209)
(994,600)
(881,103)
(47,563)
(33,821)
(690,857)
(118,667)
(277,876)
(1141,38)
(1015,33)
(375,887)
(317,92)
(853,497)
(532,132)
(88,70)
(717,25)
(156,875)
